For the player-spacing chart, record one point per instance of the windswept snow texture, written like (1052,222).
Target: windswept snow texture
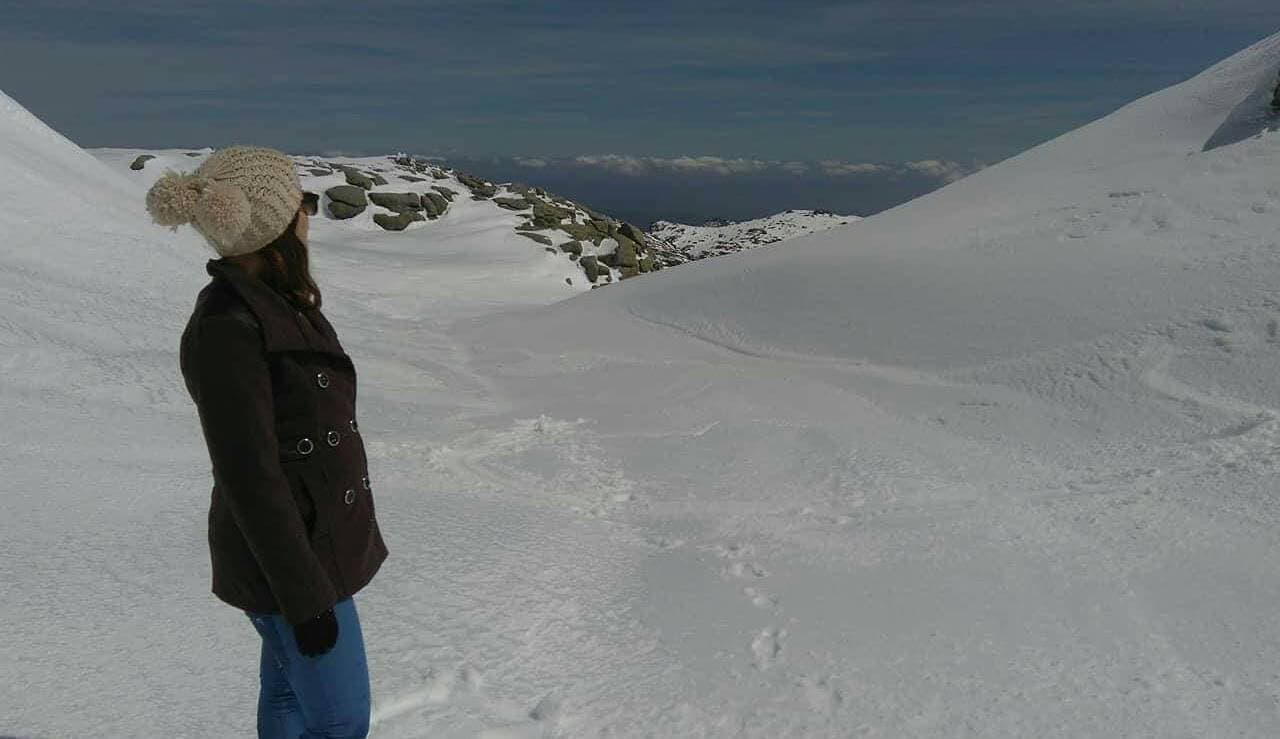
(713,240)
(998,462)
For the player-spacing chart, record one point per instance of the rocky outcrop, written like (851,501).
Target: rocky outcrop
(435,204)
(397,221)
(603,248)
(1275,99)
(512,203)
(480,189)
(590,267)
(141,161)
(346,201)
(536,237)
(719,237)
(397,201)
(359,179)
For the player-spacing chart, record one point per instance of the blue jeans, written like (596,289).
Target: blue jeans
(325,697)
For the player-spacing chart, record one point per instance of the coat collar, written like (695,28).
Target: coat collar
(284,327)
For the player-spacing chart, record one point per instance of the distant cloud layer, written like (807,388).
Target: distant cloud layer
(943,171)
(693,189)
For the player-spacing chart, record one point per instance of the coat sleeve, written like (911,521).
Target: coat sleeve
(232,383)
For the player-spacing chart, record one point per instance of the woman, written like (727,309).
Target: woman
(292,532)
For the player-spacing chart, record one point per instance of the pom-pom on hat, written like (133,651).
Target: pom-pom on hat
(239,199)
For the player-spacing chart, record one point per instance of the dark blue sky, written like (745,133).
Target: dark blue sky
(876,81)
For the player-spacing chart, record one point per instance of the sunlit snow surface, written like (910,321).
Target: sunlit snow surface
(999,462)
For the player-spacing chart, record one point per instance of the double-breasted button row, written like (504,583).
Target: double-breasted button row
(305,446)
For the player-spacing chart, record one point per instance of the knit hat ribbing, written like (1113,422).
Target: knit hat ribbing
(240,199)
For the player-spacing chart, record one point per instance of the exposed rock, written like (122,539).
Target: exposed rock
(536,237)
(580,232)
(604,226)
(631,232)
(512,203)
(358,179)
(378,179)
(436,201)
(319,172)
(439,174)
(627,253)
(629,272)
(520,187)
(526,226)
(1275,99)
(195,153)
(397,201)
(342,211)
(646,265)
(549,216)
(141,161)
(348,194)
(446,192)
(411,178)
(571,247)
(480,190)
(346,201)
(396,221)
(590,267)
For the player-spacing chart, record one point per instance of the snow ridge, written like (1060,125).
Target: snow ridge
(719,238)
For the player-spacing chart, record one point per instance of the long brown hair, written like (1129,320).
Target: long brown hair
(287,270)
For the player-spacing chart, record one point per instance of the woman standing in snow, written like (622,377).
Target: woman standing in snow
(292,531)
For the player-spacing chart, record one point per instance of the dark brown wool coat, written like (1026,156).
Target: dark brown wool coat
(291,520)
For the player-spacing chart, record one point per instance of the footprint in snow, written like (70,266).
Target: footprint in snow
(761,599)
(767,647)
(746,571)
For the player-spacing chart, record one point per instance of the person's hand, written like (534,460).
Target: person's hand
(316,635)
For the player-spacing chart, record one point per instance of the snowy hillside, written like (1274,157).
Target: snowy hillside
(496,244)
(997,462)
(715,239)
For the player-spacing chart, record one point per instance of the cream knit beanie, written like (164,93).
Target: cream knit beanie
(239,199)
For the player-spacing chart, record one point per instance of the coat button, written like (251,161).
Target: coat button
(364,481)
(332,438)
(355,428)
(349,497)
(305,446)
(322,379)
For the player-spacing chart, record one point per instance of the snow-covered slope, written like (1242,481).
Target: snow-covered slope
(480,250)
(717,239)
(999,462)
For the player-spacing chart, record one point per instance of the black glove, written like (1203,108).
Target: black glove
(316,635)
